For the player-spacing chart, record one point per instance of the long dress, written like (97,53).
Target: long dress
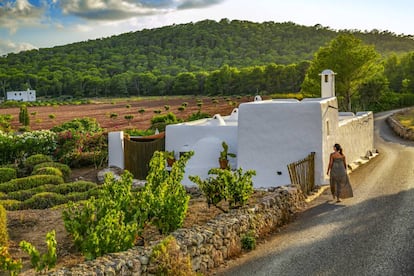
(339,180)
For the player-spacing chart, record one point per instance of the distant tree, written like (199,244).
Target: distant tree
(24,118)
(352,61)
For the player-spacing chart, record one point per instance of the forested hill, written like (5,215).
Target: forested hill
(128,63)
(205,45)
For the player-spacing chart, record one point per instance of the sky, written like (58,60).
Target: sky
(33,24)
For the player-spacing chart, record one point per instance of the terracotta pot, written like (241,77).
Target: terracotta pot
(224,164)
(170,162)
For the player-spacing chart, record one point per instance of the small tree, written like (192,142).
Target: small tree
(24,118)
(165,197)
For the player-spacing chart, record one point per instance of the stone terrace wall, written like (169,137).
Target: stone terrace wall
(209,245)
(400,130)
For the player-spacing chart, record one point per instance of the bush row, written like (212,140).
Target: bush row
(44,200)
(63,189)
(29,182)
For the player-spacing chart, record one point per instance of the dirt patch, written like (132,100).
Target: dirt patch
(45,117)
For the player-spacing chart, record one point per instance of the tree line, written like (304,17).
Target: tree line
(203,58)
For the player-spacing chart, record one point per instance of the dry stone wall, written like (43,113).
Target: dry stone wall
(400,130)
(208,246)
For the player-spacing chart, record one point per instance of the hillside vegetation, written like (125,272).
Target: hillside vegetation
(176,59)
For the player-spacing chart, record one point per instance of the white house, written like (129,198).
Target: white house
(23,96)
(268,135)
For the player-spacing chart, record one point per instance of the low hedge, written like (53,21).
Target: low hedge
(35,159)
(10,204)
(65,169)
(77,186)
(48,171)
(29,182)
(7,174)
(43,201)
(23,195)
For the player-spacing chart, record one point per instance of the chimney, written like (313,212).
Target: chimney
(327,83)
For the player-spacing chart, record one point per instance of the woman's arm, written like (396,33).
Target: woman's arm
(344,159)
(330,163)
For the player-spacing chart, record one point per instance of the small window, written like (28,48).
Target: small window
(326,78)
(327,128)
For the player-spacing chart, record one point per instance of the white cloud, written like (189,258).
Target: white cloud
(124,9)
(11,47)
(14,15)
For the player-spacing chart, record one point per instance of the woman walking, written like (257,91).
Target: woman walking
(338,180)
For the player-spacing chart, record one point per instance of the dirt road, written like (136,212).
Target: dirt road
(369,234)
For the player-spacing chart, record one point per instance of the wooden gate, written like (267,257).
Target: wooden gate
(302,173)
(138,152)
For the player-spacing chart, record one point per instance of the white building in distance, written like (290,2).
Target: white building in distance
(22,96)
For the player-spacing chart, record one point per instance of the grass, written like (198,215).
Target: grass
(406,118)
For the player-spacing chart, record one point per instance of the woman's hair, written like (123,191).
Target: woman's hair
(338,148)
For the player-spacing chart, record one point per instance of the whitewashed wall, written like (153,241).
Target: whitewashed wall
(356,135)
(273,134)
(116,149)
(204,137)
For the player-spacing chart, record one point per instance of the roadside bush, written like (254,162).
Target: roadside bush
(43,201)
(248,241)
(4,236)
(7,174)
(167,259)
(35,159)
(29,182)
(233,186)
(65,169)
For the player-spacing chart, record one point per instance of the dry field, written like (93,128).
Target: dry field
(40,116)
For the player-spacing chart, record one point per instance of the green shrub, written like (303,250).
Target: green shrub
(80,125)
(48,171)
(7,263)
(43,201)
(165,197)
(7,174)
(23,195)
(248,241)
(65,169)
(77,196)
(161,121)
(77,186)
(234,186)
(29,182)
(4,236)
(107,223)
(35,159)
(10,204)
(45,261)
(167,259)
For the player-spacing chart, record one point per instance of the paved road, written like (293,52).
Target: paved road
(369,234)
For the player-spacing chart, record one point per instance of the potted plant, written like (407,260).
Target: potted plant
(170,156)
(224,156)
